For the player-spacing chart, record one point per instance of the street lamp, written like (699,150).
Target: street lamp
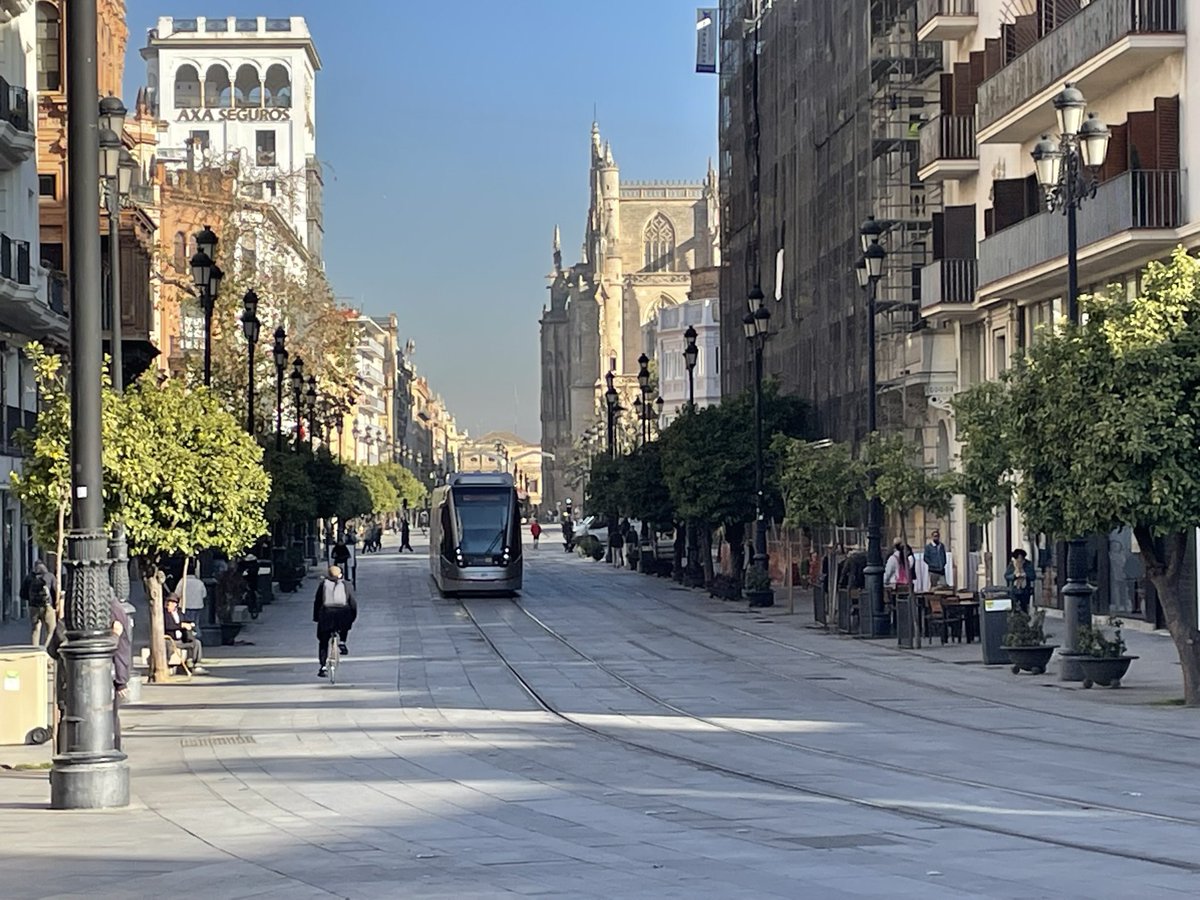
(756,326)
(88,770)
(1082,145)
(250,327)
(206,275)
(611,405)
(643,378)
(690,354)
(869,270)
(117,177)
(279,352)
(658,411)
(297,379)
(311,395)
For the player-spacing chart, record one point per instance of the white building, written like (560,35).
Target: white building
(371,430)
(244,88)
(703,314)
(26,311)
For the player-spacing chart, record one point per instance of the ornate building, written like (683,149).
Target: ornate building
(641,241)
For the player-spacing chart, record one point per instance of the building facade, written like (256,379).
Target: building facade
(641,242)
(701,312)
(997,276)
(242,89)
(503,451)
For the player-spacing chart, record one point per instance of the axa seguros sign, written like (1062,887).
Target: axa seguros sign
(240,114)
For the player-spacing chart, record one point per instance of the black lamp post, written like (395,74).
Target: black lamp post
(611,404)
(643,378)
(207,276)
(311,397)
(869,270)
(756,325)
(1082,145)
(116,172)
(297,379)
(250,329)
(691,353)
(658,412)
(279,352)
(89,771)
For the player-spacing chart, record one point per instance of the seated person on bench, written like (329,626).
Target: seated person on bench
(182,632)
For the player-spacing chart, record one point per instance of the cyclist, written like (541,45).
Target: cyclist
(334,611)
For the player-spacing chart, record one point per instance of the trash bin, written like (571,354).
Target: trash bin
(908,636)
(993,625)
(24,695)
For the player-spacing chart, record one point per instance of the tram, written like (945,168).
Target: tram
(475,534)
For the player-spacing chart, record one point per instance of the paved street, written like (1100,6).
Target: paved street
(613,735)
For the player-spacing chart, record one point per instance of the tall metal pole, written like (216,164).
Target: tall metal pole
(279,408)
(207,300)
(250,388)
(760,524)
(879,625)
(88,771)
(1072,201)
(113,198)
(691,388)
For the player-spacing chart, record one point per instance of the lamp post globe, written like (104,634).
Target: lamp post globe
(112,112)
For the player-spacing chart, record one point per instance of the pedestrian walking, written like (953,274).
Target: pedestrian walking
(616,540)
(40,590)
(1020,576)
(899,567)
(935,559)
(535,530)
(404,537)
(122,660)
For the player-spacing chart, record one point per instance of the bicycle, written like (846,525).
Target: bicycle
(335,653)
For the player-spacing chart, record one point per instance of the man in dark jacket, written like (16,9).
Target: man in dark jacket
(334,610)
(122,664)
(40,591)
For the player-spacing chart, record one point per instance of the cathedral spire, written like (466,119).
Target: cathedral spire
(557,250)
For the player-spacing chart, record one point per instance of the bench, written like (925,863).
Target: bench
(177,659)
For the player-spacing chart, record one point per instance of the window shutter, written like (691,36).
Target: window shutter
(959,226)
(978,72)
(1025,32)
(1143,140)
(989,222)
(1166,112)
(993,55)
(939,236)
(1008,202)
(1117,160)
(946,98)
(964,90)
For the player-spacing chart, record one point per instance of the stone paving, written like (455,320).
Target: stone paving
(695,748)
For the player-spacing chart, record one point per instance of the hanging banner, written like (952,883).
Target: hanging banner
(706,40)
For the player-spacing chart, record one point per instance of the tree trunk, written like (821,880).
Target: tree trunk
(1164,559)
(158,648)
(704,541)
(680,547)
(735,534)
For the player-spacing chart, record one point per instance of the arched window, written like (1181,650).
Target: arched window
(180,251)
(278,86)
(247,88)
(187,87)
(49,47)
(218,92)
(659,238)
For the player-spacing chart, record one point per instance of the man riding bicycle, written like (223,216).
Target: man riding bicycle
(334,611)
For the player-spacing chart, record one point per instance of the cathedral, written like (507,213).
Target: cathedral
(641,242)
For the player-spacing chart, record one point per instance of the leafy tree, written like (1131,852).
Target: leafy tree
(985,476)
(902,485)
(326,475)
(822,485)
(291,497)
(355,497)
(1106,422)
(406,485)
(642,488)
(384,498)
(603,496)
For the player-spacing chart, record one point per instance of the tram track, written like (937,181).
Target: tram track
(896,807)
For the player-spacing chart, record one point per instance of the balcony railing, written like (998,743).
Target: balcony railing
(14,260)
(948,281)
(1138,200)
(14,105)
(1079,39)
(940,20)
(56,291)
(928,9)
(948,137)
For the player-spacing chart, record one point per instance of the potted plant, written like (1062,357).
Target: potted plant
(757,587)
(1025,642)
(1105,661)
(231,587)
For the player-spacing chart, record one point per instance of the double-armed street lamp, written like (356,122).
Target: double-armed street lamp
(297,379)
(117,166)
(691,353)
(250,329)
(311,407)
(869,270)
(207,276)
(280,354)
(612,406)
(1067,170)
(642,403)
(756,326)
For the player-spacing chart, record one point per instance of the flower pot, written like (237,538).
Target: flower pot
(760,599)
(1071,669)
(229,632)
(1104,670)
(1030,659)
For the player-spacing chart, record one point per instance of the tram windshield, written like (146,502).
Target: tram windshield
(483,516)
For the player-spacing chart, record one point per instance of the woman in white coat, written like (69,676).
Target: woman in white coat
(896,573)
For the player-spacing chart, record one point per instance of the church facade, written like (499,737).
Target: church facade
(641,242)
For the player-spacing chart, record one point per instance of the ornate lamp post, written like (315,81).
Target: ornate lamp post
(658,412)
(1082,145)
(311,396)
(116,171)
(611,404)
(250,330)
(297,379)
(643,378)
(280,354)
(207,276)
(869,270)
(691,353)
(89,770)
(756,326)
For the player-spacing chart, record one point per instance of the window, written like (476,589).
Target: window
(187,87)
(49,47)
(278,87)
(199,141)
(179,254)
(659,239)
(48,186)
(264,147)
(270,190)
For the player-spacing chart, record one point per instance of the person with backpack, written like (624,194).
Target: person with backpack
(334,610)
(40,591)
(535,529)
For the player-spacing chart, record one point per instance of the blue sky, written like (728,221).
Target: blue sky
(455,135)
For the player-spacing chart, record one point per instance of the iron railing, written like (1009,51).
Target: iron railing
(948,281)
(948,137)
(927,9)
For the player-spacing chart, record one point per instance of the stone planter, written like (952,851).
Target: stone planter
(1104,670)
(760,599)
(229,632)
(1030,659)
(1072,668)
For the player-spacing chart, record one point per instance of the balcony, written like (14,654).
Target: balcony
(21,309)
(1132,219)
(948,283)
(17,138)
(946,20)
(948,148)
(1100,48)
